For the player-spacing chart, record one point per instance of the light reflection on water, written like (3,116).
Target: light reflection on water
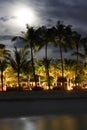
(61,122)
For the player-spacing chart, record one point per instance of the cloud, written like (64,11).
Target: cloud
(6,18)
(72,12)
(49,11)
(6,37)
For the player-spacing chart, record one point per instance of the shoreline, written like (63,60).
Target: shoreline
(34,95)
(25,104)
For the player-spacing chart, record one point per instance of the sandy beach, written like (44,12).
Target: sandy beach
(30,103)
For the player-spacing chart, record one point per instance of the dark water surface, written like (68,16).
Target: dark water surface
(61,122)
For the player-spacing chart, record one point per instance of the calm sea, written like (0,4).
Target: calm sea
(61,122)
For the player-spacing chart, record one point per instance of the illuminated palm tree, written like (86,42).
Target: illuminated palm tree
(41,72)
(70,66)
(19,60)
(57,69)
(46,63)
(27,71)
(4,56)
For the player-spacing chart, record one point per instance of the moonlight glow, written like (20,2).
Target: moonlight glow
(24,16)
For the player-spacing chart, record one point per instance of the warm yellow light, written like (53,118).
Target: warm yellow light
(69,88)
(47,88)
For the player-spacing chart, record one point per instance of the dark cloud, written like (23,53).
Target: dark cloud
(6,37)
(72,12)
(6,18)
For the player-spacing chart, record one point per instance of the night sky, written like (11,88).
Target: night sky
(15,14)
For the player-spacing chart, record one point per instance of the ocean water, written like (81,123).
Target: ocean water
(59,122)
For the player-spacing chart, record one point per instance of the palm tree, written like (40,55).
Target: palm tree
(77,44)
(46,37)
(70,66)
(62,39)
(57,69)
(46,63)
(84,56)
(41,72)
(19,60)
(27,71)
(4,55)
(31,38)
(3,66)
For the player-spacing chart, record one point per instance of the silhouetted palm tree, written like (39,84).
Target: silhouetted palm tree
(46,37)
(84,53)
(62,39)
(77,44)
(31,38)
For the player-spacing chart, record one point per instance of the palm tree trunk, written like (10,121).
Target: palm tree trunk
(19,80)
(47,67)
(2,79)
(33,65)
(76,72)
(28,81)
(62,67)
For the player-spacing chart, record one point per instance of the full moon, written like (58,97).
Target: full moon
(25,15)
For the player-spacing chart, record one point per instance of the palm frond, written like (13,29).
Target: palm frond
(14,38)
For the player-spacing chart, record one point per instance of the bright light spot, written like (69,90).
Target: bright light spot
(24,15)
(69,88)
(47,87)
